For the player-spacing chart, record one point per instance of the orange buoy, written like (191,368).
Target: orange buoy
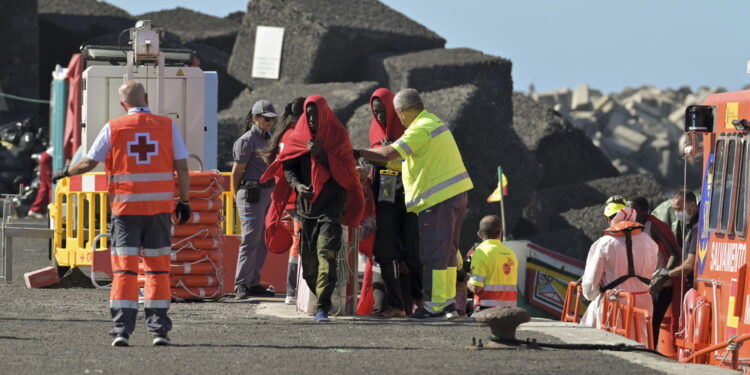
(197,230)
(202,217)
(187,280)
(209,192)
(196,293)
(188,255)
(194,268)
(207,243)
(206,204)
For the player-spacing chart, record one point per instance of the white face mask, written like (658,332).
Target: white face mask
(681,215)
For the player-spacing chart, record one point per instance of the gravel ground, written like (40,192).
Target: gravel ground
(64,331)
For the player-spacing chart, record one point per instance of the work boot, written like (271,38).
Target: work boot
(121,340)
(241,292)
(422,315)
(259,291)
(161,341)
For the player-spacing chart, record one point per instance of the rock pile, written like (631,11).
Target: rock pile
(639,130)
(19,60)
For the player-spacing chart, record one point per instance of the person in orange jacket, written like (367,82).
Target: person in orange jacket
(141,151)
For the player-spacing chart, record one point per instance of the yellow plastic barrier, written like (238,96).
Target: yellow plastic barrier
(78,218)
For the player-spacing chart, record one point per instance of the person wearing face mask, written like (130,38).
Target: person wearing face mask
(623,258)
(317,162)
(686,210)
(252,199)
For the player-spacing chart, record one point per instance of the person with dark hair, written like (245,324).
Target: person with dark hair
(318,163)
(397,237)
(252,199)
(687,211)
(494,268)
(669,256)
(281,133)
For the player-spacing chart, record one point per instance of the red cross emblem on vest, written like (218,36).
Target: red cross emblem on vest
(143,148)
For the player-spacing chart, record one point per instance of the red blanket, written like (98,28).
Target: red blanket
(393,129)
(338,147)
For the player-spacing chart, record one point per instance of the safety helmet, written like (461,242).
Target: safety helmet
(614,204)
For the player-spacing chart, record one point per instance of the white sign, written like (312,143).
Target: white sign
(267,55)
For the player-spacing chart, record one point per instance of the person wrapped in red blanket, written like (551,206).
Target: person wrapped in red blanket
(318,163)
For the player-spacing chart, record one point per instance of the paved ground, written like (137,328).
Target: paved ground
(64,331)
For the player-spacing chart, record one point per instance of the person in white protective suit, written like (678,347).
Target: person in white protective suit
(610,265)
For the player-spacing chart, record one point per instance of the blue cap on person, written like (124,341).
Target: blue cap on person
(264,108)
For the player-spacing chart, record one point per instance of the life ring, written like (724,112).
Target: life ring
(207,243)
(196,293)
(188,255)
(196,230)
(205,204)
(194,268)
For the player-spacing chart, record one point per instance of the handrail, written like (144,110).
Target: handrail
(732,341)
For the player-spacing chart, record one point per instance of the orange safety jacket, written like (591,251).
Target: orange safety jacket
(140,165)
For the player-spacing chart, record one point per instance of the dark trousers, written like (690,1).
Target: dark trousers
(661,304)
(320,240)
(439,231)
(397,252)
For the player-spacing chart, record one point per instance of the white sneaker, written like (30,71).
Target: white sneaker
(161,341)
(120,341)
(290,300)
(451,315)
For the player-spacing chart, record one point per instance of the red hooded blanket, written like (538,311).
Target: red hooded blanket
(338,147)
(393,128)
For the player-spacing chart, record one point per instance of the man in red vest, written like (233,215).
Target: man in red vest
(141,150)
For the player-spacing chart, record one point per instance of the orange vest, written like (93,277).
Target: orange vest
(140,165)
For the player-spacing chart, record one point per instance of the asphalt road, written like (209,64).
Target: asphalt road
(61,331)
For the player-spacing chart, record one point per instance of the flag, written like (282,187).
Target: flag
(502,185)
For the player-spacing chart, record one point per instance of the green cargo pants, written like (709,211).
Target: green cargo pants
(320,239)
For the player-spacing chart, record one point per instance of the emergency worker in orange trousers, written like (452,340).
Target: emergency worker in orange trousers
(140,150)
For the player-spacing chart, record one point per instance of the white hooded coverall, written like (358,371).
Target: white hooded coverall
(607,260)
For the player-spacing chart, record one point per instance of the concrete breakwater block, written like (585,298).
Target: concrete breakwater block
(41,278)
(325,40)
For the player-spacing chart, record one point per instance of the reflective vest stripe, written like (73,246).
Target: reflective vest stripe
(142,197)
(156,303)
(157,252)
(500,288)
(494,303)
(477,279)
(123,304)
(500,296)
(437,188)
(142,177)
(404,146)
(439,130)
(125,250)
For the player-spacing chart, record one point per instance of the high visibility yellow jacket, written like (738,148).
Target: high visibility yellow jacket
(494,267)
(433,170)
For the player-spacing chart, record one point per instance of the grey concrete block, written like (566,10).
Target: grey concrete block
(565,153)
(196,27)
(629,138)
(326,40)
(581,100)
(435,69)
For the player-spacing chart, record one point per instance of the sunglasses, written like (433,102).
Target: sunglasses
(266,118)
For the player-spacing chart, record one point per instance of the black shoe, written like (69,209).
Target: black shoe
(259,291)
(422,315)
(121,340)
(241,292)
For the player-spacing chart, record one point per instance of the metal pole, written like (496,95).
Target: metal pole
(502,212)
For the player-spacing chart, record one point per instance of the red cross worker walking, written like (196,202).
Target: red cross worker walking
(140,151)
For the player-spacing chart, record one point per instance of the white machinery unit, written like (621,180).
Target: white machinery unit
(183,93)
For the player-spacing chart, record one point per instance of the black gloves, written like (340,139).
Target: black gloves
(356,154)
(60,173)
(182,212)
